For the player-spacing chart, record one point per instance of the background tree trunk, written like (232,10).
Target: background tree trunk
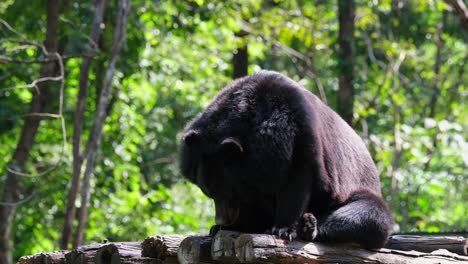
(12,189)
(240,58)
(345,59)
(78,125)
(100,117)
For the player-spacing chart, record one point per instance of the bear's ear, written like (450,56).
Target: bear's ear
(231,145)
(191,137)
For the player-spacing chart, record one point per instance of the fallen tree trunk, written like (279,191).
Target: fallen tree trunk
(195,249)
(82,254)
(222,247)
(106,253)
(458,245)
(234,247)
(268,249)
(56,257)
(120,253)
(161,247)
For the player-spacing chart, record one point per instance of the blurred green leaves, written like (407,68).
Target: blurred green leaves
(178,56)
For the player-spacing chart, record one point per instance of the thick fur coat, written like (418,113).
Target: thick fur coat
(276,159)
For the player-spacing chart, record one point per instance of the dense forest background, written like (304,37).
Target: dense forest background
(94,95)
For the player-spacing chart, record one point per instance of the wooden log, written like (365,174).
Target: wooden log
(120,253)
(56,257)
(222,246)
(161,247)
(455,244)
(82,254)
(232,247)
(268,249)
(110,253)
(195,249)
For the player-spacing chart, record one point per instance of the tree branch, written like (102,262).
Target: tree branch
(7,59)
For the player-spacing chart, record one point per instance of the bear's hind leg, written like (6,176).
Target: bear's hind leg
(364,219)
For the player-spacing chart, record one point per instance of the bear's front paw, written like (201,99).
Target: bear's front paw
(214,230)
(307,227)
(284,232)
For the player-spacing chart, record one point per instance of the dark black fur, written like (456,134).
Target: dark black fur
(276,159)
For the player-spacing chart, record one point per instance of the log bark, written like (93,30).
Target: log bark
(458,245)
(233,247)
(108,253)
(268,249)
(83,254)
(195,249)
(57,257)
(161,247)
(222,247)
(120,253)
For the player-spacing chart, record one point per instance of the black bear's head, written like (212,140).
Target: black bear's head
(243,140)
(213,162)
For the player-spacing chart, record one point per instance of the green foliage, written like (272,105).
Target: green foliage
(178,56)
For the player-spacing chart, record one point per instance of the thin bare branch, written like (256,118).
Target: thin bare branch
(5,59)
(43,115)
(19,202)
(19,48)
(246,28)
(4,23)
(296,54)
(381,64)
(26,42)
(93,42)
(33,84)
(60,78)
(58,116)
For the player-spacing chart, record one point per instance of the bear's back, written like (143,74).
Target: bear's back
(346,161)
(343,161)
